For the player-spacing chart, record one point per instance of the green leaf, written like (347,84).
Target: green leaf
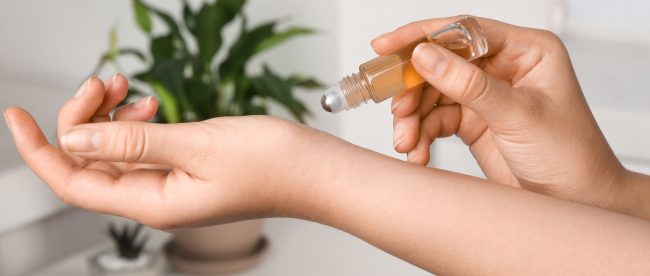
(112,44)
(132,52)
(207,33)
(250,43)
(175,38)
(142,16)
(169,73)
(188,16)
(167,19)
(243,49)
(271,85)
(143,76)
(281,37)
(162,47)
(304,82)
(251,109)
(210,20)
(202,97)
(174,30)
(113,53)
(168,103)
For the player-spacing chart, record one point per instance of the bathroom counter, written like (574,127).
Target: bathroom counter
(296,248)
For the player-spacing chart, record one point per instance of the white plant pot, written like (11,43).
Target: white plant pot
(108,263)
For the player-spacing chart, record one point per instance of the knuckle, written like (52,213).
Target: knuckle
(474,85)
(131,142)
(549,36)
(551,39)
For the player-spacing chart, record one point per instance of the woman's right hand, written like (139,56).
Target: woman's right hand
(520,109)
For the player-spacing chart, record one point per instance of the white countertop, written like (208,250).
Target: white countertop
(296,248)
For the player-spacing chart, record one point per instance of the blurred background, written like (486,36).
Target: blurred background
(47,49)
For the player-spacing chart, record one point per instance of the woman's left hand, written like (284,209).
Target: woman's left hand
(165,175)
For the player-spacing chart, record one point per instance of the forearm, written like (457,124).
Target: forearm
(454,224)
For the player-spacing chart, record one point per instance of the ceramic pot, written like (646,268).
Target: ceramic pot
(226,241)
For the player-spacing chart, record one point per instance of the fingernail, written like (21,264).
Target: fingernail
(395,105)
(410,158)
(81,140)
(111,81)
(142,103)
(431,59)
(4,114)
(83,88)
(114,77)
(398,135)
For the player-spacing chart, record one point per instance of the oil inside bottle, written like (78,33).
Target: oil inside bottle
(394,73)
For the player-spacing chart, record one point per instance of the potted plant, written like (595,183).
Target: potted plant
(181,69)
(129,257)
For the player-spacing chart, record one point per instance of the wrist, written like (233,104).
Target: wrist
(322,168)
(307,155)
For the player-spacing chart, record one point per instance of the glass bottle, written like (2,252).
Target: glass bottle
(388,75)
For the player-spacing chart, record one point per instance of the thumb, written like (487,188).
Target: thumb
(132,142)
(463,82)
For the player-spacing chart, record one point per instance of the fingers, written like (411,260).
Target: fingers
(465,83)
(142,110)
(406,128)
(116,89)
(93,103)
(49,163)
(407,34)
(406,131)
(137,142)
(82,106)
(406,102)
(442,121)
(93,189)
(471,126)
(497,32)
(34,147)
(430,98)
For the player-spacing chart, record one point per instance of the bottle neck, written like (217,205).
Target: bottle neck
(355,90)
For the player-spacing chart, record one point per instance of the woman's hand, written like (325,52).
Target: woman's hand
(520,109)
(165,176)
